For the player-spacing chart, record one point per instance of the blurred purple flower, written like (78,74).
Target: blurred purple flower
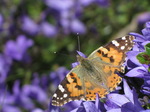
(1,22)
(103,3)
(77,26)
(48,29)
(7,101)
(17,50)
(20,99)
(60,4)
(142,18)
(35,92)
(68,13)
(29,26)
(57,76)
(86,2)
(36,79)
(43,81)
(5,64)
(38,110)
(10,108)
(72,25)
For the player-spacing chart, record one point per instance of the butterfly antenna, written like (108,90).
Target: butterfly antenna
(2,100)
(78,41)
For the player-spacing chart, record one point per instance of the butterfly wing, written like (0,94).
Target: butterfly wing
(111,56)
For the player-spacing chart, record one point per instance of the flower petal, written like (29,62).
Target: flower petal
(128,107)
(90,107)
(128,91)
(115,110)
(136,72)
(114,98)
(81,54)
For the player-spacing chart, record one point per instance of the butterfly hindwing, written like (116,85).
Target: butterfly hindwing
(70,89)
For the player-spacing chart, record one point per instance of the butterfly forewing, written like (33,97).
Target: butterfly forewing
(78,86)
(115,51)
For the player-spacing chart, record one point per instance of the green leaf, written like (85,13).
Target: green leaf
(147,48)
(141,58)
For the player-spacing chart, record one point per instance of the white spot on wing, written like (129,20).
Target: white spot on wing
(65,95)
(122,47)
(115,43)
(60,87)
(55,95)
(124,38)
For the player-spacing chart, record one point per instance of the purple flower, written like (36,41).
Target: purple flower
(10,108)
(103,3)
(89,106)
(77,26)
(127,102)
(1,22)
(29,26)
(5,64)
(38,110)
(86,2)
(137,69)
(67,107)
(57,76)
(48,29)
(145,36)
(142,18)
(59,4)
(20,99)
(35,92)
(17,50)
(72,25)
(69,13)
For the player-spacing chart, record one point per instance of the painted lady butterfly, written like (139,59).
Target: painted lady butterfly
(94,74)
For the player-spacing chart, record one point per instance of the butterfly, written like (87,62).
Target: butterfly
(96,74)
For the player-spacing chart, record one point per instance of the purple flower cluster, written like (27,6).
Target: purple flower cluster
(140,70)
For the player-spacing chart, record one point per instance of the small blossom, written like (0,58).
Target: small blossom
(59,4)
(1,22)
(5,64)
(17,50)
(29,26)
(8,108)
(57,76)
(34,92)
(48,30)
